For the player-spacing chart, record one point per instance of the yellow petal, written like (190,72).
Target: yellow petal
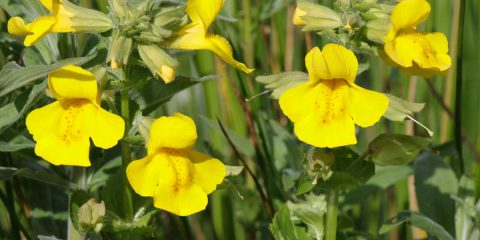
(204,12)
(316,66)
(177,131)
(183,202)
(297,17)
(51,4)
(209,171)
(58,131)
(105,128)
(337,133)
(299,101)
(39,28)
(73,82)
(58,152)
(367,107)
(16,26)
(143,175)
(341,62)
(43,121)
(409,13)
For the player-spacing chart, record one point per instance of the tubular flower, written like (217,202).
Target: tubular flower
(417,53)
(326,108)
(65,17)
(177,177)
(194,36)
(63,128)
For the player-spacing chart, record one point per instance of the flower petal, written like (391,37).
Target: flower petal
(336,133)
(204,12)
(143,174)
(184,202)
(39,28)
(367,107)
(209,171)
(105,128)
(410,13)
(316,66)
(341,63)
(73,82)
(299,101)
(16,26)
(46,125)
(177,131)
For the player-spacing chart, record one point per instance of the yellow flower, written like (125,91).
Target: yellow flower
(194,36)
(177,177)
(63,128)
(326,108)
(297,17)
(65,17)
(417,53)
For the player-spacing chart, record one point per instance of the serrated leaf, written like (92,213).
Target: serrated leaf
(278,83)
(396,149)
(417,220)
(398,109)
(310,212)
(282,226)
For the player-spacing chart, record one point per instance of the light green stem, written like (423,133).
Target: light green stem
(332,209)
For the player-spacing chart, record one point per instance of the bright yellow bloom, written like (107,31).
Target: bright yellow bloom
(177,177)
(417,53)
(194,36)
(63,129)
(297,17)
(65,17)
(326,108)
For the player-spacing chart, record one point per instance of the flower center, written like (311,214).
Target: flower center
(69,126)
(183,168)
(331,101)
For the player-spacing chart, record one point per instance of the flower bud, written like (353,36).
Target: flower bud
(316,17)
(377,30)
(297,17)
(119,7)
(119,51)
(83,19)
(158,61)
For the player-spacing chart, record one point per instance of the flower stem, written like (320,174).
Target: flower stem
(332,209)
(459,85)
(126,156)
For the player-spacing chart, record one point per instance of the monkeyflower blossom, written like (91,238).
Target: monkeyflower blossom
(195,36)
(65,17)
(176,176)
(417,53)
(325,109)
(63,129)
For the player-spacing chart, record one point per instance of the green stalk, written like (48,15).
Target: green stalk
(126,156)
(332,209)
(458,92)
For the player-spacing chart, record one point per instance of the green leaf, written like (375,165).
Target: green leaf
(37,175)
(417,220)
(435,182)
(312,213)
(77,199)
(9,114)
(278,83)
(396,149)
(282,226)
(11,80)
(382,179)
(349,170)
(398,109)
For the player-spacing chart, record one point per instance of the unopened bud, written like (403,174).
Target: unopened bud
(377,30)
(317,17)
(158,61)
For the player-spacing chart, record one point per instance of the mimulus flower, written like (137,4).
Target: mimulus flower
(194,36)
(326,108)
(63,129)
(417,53)
(65,17)
(177,177)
